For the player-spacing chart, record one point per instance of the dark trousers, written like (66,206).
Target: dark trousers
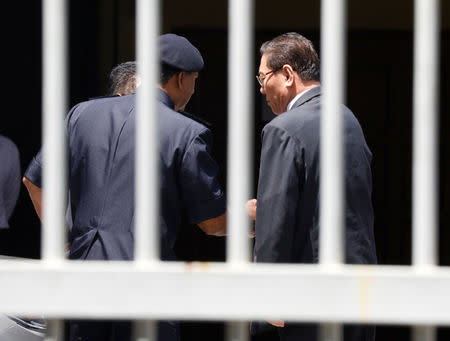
(107,330)
(305,331)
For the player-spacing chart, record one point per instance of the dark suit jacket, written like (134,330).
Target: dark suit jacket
(287,218)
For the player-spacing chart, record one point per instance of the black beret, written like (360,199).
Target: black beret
(179,53)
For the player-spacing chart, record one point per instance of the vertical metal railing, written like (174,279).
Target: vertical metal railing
(332,204)
(332,145)
(240,118)
(237,331)
(54,331)
(54,142)
(147,249)
(425,153)
(425,200)
(146,181)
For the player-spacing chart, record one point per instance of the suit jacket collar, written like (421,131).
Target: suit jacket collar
(314,92)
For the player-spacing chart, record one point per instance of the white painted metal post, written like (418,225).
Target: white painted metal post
(330,332)
(237,331)
(54,331)
(425,154)
(54,141)
(425,173)
(332,153)
(147,248)
(145,330)
(240,113)
(146,180)
(332,203)
(424,333)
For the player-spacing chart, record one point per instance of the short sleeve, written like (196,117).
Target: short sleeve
(201,192)
(34,170)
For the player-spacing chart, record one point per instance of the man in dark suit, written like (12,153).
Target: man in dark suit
(287,206)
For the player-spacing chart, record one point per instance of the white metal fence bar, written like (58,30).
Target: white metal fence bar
(54,142)
(147,231)
(240,113)
(145,331)
(330,332)
(146,181)
(424,333)
(237,331)
(373,294)
(425,201)
(54,330)
(331,150)
(425,136)
(331,241)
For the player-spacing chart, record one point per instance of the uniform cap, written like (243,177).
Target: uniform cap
(179,53)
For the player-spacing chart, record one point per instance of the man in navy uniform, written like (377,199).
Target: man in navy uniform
(9,179)
(101,139)
(287,206)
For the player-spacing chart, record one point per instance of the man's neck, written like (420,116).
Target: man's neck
(304,87)
(308,85)
(170,92)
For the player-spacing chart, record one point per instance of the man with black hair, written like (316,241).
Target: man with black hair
(123,79)
(287,205)
(101,140)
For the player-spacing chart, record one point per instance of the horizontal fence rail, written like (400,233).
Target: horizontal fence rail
(213,291)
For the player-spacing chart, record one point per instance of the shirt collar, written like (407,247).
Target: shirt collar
(292,102)
(164,98)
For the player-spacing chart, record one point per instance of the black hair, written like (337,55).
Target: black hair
(295,50)
(167,71)
(122,78)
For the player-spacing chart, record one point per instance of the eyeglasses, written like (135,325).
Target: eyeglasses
(261,79)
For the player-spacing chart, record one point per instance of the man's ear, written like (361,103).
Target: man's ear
(180,79)
(289,74)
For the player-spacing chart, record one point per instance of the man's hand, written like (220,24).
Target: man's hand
(215,226)
(35,193)
(276,323)
(251,208)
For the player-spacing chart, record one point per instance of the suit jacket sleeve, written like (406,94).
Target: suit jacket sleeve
(279,188)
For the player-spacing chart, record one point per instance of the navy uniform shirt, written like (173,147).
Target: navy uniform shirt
(101,138)
(9,179)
